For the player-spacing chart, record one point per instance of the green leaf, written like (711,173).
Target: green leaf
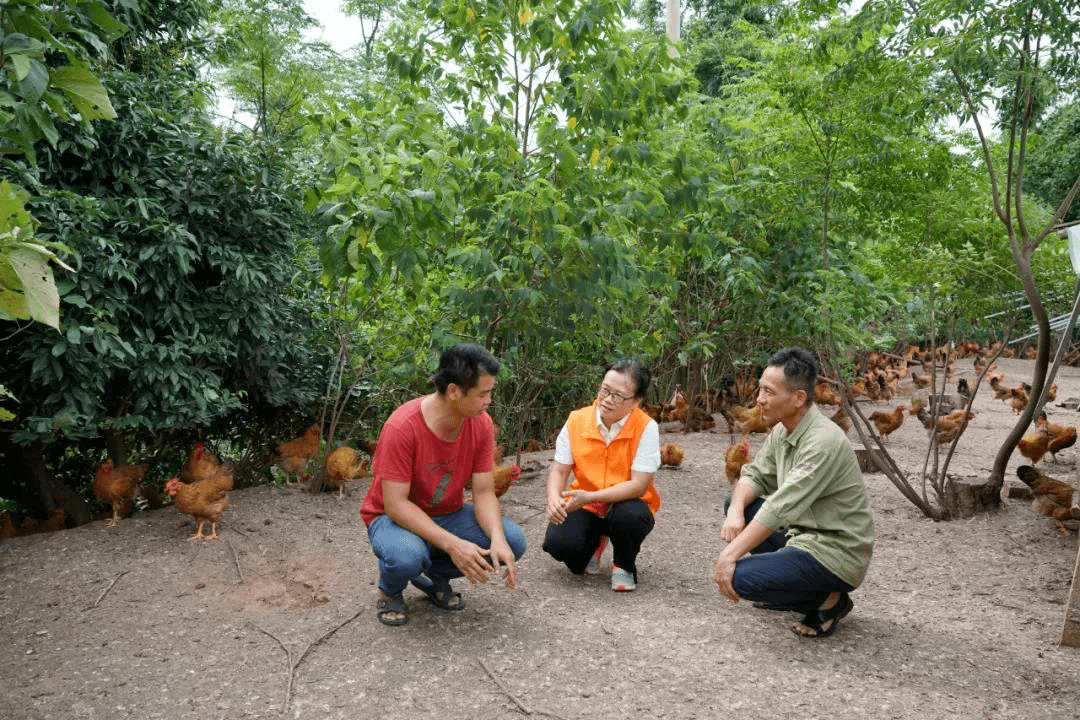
(44,124)
(18,43)
(100,16)
(34,83)
(84,91)
(22,66)
(36,296)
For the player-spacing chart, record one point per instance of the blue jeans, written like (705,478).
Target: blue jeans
(404,555)
(781,576)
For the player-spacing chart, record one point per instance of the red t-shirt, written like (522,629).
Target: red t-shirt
(437,470)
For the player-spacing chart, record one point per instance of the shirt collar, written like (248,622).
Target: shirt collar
(808,419)
(616,427)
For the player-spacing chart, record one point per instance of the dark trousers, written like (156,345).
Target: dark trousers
(781,576)
(576,539)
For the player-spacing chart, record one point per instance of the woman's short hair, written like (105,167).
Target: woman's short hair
(800,368)
(638,372)
(462,365)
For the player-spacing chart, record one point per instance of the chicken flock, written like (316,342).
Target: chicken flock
(200,488)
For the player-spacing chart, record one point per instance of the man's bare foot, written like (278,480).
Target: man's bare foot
(822,622)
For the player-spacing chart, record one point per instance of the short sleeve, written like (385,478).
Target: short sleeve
(394,453)
(563,455)
(484,439)
(647,457)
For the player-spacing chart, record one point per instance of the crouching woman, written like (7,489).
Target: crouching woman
(613,449)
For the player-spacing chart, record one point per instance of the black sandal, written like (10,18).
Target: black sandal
(391,604)
(441,596)
(819,617)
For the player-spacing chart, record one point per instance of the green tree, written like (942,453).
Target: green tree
(181,314)
(44,53)
(267,67)
(520,164)
(1054,157)
(1014,59)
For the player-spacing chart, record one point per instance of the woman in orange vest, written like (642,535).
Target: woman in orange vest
(613,449)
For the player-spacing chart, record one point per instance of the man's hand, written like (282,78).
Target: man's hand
(733,525)
(723,576)
(502,556)
(469,558)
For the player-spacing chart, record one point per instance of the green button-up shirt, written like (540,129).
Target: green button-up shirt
(813,488)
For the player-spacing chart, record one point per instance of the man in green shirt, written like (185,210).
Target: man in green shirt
(806,479)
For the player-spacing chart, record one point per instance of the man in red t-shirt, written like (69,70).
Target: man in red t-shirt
(419,524)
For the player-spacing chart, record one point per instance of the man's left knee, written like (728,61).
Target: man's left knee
(515,538)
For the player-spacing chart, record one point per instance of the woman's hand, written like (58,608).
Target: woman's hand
(556,509)
(576,499)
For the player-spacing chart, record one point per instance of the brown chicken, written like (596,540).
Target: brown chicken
(294,455)
(342,466)
(754,423)
(1053,498)
(7,526)
(888,422)
(671,454)
(823,395)
(116,485)
(948,426)
(692,417)
(736,414)
(1001,392)
(1061,436)
(653,410)
(1035,445)
(203,500)
(56,521)
(841,418)
(200,465)
(737,456)
(505,476)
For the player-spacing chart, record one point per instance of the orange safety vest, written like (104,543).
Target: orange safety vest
(596,465)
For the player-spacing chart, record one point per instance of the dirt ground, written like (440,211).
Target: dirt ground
(955,620)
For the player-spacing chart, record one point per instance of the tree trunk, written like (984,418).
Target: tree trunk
(965,497)
(1042,362)
(34,486)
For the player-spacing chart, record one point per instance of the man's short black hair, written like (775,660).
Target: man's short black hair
(800,368)
(462,365)
(638,372)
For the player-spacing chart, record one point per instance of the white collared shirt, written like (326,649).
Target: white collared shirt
(646,459)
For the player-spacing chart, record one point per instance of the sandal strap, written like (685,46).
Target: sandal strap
(392,604)
(440,594)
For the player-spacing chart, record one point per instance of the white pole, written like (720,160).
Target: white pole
(673,26)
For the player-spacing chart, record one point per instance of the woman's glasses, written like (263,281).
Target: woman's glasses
(616,397)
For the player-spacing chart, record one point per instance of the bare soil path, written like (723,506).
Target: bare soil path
(955,620)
